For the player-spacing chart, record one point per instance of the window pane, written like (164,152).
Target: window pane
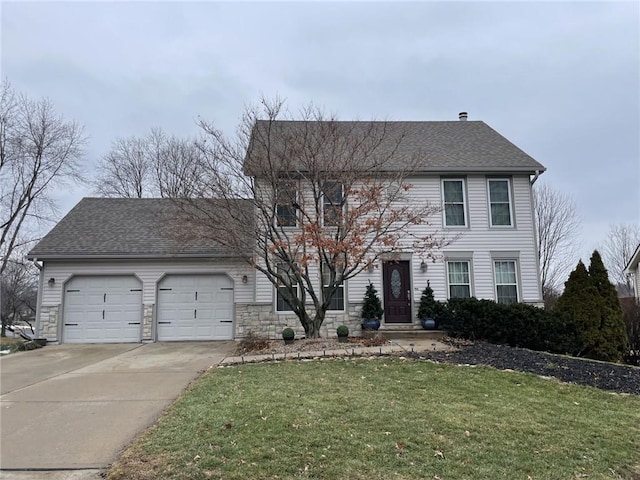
(332,201)
(500,214)
(454,214)
(459,291)
(507,293)
(286,215)
(282,305)
(499,191)
(337,302)
(505,272)
(453,191)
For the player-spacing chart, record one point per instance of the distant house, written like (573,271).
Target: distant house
(112,272)
(633,269)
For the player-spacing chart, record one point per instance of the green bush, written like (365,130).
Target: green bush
(590,301)
(371,307)
(342,331)
(429,307)
(288,334)
(517,325)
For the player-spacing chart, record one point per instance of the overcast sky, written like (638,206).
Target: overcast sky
(560,80)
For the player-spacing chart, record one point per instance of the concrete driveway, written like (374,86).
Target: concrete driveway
(70,407)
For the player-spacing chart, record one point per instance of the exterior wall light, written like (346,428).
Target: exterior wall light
(423,267)
(52,282)
(245,279)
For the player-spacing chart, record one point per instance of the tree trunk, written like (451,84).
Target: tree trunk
(312,325)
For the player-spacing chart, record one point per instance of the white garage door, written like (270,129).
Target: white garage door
(195,307)
(102,310)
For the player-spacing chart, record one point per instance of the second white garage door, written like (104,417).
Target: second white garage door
(195,307)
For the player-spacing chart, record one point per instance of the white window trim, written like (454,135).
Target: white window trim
(469,263)
(510,194)
(464,202)
(516,265)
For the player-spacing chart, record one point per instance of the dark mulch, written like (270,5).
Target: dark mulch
(606,376)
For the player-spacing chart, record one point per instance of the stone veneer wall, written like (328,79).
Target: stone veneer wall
(261,320)
(147,323)
(49,316)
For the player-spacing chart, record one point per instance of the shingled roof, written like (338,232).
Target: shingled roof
(124,228)
(437,146)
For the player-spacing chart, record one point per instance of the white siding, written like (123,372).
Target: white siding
(483,241)
(149,272)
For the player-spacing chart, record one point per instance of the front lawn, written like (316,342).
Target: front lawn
(387,418)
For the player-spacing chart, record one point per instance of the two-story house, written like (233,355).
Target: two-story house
(112,271)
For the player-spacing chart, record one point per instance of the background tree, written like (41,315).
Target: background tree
(324,200)
(621,241)
(155,165)
(39,151)
(19,292)
(557,225)
(589,300)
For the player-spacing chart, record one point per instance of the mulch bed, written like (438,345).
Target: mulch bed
(606,376)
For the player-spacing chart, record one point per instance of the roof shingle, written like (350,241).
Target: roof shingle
(124,227)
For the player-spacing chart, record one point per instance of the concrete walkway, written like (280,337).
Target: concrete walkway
(75,407)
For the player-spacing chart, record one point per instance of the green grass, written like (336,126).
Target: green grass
(387,419)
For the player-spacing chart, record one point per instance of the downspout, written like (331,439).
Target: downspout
(39,302)
(535,235)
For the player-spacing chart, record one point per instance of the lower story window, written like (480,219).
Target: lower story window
(337,301)
(506,281)
(284,293)
(459,279)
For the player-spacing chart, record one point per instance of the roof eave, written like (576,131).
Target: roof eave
(633,262)
(63,256)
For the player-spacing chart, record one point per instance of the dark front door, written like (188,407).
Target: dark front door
(397,292)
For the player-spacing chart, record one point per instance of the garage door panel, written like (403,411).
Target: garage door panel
(102,310)
(191,307)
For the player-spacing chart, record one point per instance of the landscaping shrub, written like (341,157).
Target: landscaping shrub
(631,314)
(590,300)
(517,325)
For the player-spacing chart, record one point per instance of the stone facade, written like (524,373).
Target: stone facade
(147,323)
(48,326)
(261,320)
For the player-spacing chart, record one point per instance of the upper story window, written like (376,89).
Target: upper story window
(332,203)
(453,197)
(500,202)
(337,301)
(506,280)
(459,279)
(286,204)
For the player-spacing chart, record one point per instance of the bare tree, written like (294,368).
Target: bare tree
(621,241)
(39,151)
(125,171)
(557,225)
(309,203)
(156,165)
(19,289)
